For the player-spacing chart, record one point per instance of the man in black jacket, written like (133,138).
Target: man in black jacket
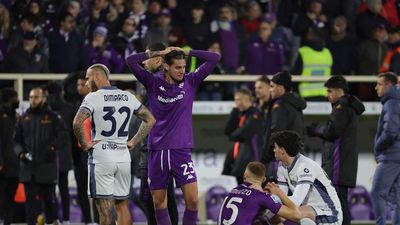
(38,135)
(339,153)
(286,114)
(244,128)
(55,100)
(8,158)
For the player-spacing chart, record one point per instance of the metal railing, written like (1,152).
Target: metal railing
(20,78)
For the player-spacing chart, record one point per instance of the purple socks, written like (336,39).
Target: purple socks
(162,217)
(189,217)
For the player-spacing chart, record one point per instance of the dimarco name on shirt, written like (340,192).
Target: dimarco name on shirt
(114,98)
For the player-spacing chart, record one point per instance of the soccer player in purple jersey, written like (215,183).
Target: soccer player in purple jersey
(246,201)
(171,93)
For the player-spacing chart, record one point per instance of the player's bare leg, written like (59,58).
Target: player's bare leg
(160,205)
(190,194)
(104,206)
(307,212)
(123,213)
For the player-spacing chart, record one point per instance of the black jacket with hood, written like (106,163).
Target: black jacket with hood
(339,152)
(286,114)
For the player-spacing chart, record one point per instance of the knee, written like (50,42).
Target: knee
(192,203)
(121,205)
(159,203)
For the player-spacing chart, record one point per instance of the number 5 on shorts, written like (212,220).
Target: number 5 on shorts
(235,210)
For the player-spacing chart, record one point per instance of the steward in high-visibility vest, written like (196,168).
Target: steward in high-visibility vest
(315,63)
(391,61)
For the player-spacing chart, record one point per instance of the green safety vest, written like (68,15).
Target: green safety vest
(314,64)
(193,60)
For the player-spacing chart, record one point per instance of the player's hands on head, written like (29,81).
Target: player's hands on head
(273,189)
(172,48)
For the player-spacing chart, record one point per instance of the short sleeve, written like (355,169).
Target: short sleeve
(136,104)
(88,102)
(271,202)
(306,174)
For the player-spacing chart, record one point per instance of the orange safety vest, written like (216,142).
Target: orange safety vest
(87,127)
(388,59)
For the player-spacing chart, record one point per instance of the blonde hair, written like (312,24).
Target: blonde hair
(5,22)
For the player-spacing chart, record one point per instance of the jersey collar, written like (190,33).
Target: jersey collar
(294,162)
(108,88)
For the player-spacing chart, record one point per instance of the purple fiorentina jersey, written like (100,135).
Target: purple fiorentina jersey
(243,204)
(171,104)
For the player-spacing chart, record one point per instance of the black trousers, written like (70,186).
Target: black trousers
(8,187)
(147,200)
(64,194)
(81,177)
(342,192)
(47,193)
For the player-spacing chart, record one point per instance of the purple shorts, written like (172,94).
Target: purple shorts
(164,163)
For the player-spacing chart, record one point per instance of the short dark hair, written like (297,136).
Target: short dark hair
(81,75)
(265,79)
(174,54)
(244,91)
(54,87)
(256,168)
(7,94)
(157,46)
(62,16)
(337,82)
(289,140)
(390,77)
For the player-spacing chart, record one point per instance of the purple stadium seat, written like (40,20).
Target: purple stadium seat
(180,203)
(214,199)
(137,214)
(360,204)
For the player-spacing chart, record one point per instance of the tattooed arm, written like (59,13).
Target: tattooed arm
(148,121)
(79,129)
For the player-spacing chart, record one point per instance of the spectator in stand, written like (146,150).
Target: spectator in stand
(252,20)
(127,40)
(213,90)
(36,9)
(99,50)
(66,46)
(153,12)
(373,51)
(26,58)
(368,20)
(5,31)
(101,12)
(232,38)
(314,59)
(244,128)
(197,29)
(314,17)
(160,32)
(392,58)
(28,24)
(138,13)
(343,48)
(74,8)
(281,35)
(264,56)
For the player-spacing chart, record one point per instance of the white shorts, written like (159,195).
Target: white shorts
(109,180)
(325,218)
